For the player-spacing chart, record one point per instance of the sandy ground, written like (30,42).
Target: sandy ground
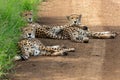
(96,60)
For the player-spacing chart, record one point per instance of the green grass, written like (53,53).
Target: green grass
(10,24)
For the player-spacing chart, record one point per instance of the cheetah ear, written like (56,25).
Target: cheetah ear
(22,28)
(31,10)
(80,16)
(21,14)
(18,43)
(68,17)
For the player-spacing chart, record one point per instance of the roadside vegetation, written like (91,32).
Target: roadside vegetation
(10,24)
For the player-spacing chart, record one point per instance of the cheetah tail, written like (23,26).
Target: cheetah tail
(69,50)
(20,57)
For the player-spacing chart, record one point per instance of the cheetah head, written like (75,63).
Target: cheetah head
(28,32)
(74,19)
(28,16)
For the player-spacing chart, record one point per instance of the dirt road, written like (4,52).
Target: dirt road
(97,60)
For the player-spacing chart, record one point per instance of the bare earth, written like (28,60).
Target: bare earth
(97,60)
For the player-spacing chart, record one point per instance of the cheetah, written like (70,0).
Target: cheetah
(75,25)
(74,20)
(37,31)
(34,47)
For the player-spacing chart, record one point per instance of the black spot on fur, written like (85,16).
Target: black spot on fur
(23,58)
(85,41)
(85,28)
(65,54)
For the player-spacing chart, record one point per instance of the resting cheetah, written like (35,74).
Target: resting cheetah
(75,26)
(37,31)
(74,20)
(35,47)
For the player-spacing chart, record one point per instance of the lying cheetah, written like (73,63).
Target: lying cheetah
(37,31)
(75,26)
(77,32)
(34,47)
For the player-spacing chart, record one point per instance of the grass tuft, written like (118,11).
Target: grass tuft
(10,24)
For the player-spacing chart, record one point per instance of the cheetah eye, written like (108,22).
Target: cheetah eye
(71,17)
(26,48)
(76,17)
(30,13)
(25,14)
(25,29)
(32,47)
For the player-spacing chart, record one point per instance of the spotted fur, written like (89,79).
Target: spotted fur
(54,32)
(74,20)
(103,35)
(75,34)
(34,47)
(37,31)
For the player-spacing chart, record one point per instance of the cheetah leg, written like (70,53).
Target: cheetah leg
(62,52)
(103,35)
(52,35)
(74,38)
(55,46)
(21,57)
